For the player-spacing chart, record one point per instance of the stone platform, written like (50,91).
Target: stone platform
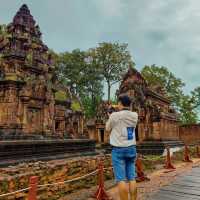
(13,152)
(150,147)
(157,147)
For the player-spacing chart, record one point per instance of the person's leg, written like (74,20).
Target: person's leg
(120,172)
(133,190)
(123,190)
(131,172)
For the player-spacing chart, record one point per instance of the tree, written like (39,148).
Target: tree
(79,71)
(70,69)
(162,77)
(113,60)
(186,105)
(3,30)
(188,114)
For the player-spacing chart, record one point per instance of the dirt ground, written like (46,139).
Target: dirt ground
(158,179)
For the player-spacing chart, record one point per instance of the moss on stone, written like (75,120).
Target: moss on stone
(76,106)
(12,77)
(61,95)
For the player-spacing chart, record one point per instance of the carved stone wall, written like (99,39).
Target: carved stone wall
(157,119)
(31,102)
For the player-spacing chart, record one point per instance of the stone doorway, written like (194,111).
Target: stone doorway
(102,135)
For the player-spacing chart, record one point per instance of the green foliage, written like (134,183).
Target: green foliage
(90,105)
(113,60)
(188,115)
(189,107)
(71,69)
(3,30)
(81,74)
(186,105)
(162,77)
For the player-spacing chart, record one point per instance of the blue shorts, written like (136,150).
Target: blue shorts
(123,160)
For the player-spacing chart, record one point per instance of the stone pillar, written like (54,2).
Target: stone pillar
(25,116)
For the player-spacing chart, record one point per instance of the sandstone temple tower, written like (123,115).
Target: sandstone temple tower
(157,118)
(31,99)
(158,121)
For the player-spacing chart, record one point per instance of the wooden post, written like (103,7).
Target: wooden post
(139,170)
(101,192)
(33,182)
(198,152)
(187,154)
(168,164)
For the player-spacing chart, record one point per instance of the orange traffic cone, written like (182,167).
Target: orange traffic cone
(101,192)
(139,170)
(168,164)
(187,154)
(198,152)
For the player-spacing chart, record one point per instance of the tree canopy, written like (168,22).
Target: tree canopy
(80,73)
(113,60)
(186,105)
(85,73)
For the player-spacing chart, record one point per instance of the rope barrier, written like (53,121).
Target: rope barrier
(69,181)
(15,192)
(151,159)
(51,184)
(107,168)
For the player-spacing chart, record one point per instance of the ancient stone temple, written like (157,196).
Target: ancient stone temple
(157,119)
(96,126)
(31,99)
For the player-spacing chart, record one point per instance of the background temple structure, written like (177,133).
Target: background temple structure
(158,123)
(32,102)
(157,118)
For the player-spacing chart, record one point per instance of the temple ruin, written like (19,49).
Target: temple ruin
(158,120)
(32,102)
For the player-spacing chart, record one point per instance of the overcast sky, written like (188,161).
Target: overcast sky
(161,32)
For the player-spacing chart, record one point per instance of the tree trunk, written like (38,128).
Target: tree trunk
(109,87)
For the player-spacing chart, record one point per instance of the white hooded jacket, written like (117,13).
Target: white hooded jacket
(122,125)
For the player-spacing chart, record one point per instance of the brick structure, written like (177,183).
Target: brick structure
(31,99)
(96,127)
(190,133)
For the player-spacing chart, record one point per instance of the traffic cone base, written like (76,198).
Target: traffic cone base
(101,194)
(140,172)
(168,164)
(198,152)
(187,155)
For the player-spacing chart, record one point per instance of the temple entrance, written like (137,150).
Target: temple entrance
(101,132)
(57,125)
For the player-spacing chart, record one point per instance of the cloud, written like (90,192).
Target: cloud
(109,8)
(165,33)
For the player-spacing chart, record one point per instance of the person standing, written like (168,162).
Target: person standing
(122,126)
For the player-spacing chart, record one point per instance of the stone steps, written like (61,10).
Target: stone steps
(13,151)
